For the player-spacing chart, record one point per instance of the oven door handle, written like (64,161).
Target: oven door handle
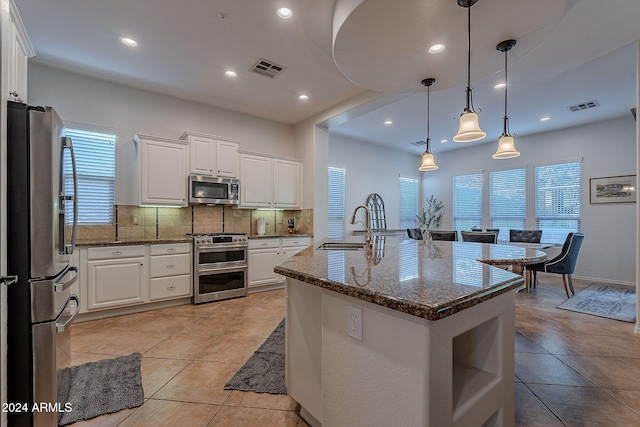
(222,269)
(219,248)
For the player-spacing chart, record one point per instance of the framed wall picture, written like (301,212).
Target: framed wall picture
(613,189)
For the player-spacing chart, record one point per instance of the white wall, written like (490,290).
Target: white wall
(128,111)
(371,169)
(607,149)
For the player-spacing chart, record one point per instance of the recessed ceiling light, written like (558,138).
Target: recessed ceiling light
(230,73)
(545,118)
(303,97)
(436,48)
(128,42)
(285,13)
(444,141)
(388,122)
(500,85)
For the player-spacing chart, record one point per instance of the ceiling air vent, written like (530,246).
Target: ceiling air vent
(583,106)
(267,68)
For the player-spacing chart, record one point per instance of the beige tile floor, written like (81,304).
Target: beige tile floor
(571,369)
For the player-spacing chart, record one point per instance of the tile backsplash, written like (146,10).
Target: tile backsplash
(134,222)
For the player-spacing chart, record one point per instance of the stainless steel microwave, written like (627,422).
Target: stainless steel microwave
(213,191)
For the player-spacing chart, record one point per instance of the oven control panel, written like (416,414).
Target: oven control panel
(206,239)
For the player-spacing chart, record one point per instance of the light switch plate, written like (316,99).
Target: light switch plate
(355,322)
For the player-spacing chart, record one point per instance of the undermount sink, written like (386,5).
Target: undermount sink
(342,246)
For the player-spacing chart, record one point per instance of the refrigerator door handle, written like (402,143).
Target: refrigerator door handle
(60,326)
(67,248)
(8,280)
(59,287)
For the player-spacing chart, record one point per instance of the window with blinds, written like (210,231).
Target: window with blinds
(558,202)
(467,201)
(335,208)
(95,163)
(508,190)
(408,202)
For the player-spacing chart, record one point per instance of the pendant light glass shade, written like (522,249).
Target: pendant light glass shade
(469,129)
(506,148)
(428,162)
(506,143)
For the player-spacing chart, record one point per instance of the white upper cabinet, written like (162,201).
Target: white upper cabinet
(270,182)
(255,181)
(163,168)
(20,50)
(286,184)
(213,155)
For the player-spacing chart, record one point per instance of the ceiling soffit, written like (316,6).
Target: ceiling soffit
(383,45)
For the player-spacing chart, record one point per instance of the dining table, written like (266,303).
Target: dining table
(518,258)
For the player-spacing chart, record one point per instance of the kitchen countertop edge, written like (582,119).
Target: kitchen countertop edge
(109,242)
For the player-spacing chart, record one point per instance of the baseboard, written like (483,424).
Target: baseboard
(138,308)
(600,280)
(271,287)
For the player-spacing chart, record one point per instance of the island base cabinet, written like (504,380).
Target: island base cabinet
(456,371)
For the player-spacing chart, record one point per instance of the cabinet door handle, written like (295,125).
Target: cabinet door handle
(117,253)
(171,266)
(171,288)
(171,250)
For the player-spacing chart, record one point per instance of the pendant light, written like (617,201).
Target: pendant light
(469,129)
(428,162)
(506,143)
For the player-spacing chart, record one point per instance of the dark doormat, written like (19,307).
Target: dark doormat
(264,371)
(102,387)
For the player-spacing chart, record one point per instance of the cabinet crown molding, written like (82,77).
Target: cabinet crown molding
(189,133)
(138,136)
(271,156)
(21,32)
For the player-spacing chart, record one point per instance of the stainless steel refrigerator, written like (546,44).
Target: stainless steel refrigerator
(41,228)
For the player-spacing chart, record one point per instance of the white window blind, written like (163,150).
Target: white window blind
(558,200)
(95,163)
(508,190)
(467,201)
(335,208)
(408,202)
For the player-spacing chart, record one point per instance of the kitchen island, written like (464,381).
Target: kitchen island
(402,332)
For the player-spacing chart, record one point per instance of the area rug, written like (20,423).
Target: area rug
(102,387)
(612,301)
(264,371)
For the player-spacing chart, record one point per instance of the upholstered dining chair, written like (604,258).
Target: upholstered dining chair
(450,236)
(479,236)
(564,263)
(525,236)
(414,233)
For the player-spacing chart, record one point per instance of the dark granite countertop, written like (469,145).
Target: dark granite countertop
(111,242)
(277,236)
(428,279)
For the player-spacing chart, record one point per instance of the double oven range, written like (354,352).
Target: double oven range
(219,266)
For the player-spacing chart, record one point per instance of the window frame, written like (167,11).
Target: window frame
(91,182)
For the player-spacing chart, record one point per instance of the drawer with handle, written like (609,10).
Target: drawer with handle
(107,252)
(170,249)
(169,265)
(169,287)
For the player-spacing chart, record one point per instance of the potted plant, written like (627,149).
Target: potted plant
(430,217)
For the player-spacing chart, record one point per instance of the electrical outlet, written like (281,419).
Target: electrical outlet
(355,322)
(135,220)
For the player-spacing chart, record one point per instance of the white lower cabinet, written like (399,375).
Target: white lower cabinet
(115,277)
(265,254)
(121,276)
(169,271)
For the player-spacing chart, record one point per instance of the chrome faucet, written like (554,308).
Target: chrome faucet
(366,226)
